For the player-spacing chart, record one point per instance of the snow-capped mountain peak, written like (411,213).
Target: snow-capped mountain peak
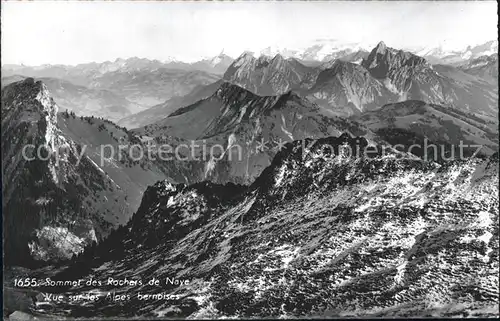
(170,59)
(317,50)
(447,54)
(381,48)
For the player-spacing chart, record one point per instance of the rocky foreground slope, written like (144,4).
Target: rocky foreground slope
(319,233)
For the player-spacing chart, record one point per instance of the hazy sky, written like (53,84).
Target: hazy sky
(74,32)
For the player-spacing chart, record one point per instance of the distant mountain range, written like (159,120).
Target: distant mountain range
(386,75)
(323,50)
(125,89)
(320,50)
(440,56)
(136,83)
(485,67)
(81,73)
(141,82)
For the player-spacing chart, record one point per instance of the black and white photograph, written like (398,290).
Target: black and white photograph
(249,159)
